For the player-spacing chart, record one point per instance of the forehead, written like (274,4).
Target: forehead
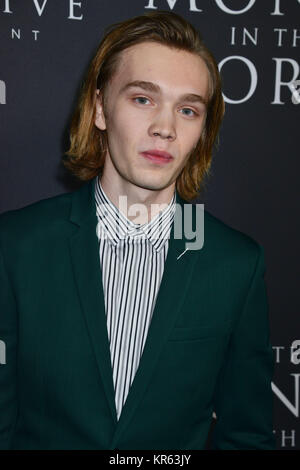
(178,70)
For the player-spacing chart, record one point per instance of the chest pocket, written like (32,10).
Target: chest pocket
(194,333)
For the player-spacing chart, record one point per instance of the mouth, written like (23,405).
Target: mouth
(157,156)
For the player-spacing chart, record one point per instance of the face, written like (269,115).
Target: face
(147,116)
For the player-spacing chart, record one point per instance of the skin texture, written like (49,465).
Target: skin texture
(153,121)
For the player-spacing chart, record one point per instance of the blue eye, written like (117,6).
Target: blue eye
(140,98)
(191,110)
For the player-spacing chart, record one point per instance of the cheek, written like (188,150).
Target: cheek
(190,137)
(123,141)
(127,125)
(199,130)
(117,130)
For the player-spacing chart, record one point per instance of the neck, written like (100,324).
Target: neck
(139,205)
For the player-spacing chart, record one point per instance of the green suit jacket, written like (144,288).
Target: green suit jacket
(207,350)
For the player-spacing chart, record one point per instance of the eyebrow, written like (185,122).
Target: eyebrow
(154,88)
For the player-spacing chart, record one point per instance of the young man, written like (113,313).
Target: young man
(116,335)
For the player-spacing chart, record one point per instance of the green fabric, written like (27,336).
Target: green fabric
(207,350)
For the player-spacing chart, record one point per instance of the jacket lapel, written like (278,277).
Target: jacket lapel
(178,273)
(84,250)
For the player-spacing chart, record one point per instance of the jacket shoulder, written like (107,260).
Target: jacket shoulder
(222,238)
(42,214)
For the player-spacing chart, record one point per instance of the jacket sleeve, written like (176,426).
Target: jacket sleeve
(8,351)
(243,399)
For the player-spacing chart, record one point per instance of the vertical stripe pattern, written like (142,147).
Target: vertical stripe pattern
(132,261)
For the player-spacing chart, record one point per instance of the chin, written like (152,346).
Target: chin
(152,185)
(149,181)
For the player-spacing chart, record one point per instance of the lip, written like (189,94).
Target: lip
(158,156)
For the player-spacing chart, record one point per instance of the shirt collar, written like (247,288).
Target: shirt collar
(114,225)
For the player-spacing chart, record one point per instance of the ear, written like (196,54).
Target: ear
(99,119)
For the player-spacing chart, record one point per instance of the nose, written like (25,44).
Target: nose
(163,126)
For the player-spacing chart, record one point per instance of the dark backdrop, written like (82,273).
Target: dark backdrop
(45,47)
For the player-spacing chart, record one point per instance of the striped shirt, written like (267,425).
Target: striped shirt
(132,261)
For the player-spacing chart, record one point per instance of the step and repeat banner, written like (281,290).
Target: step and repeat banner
(45,48)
